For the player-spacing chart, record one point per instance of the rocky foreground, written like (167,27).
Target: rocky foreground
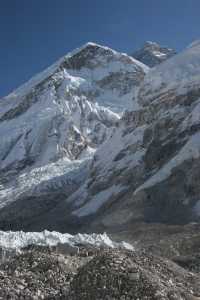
(89,272)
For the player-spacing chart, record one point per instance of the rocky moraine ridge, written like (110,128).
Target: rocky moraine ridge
(98,273)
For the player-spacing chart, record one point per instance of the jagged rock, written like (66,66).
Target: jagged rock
(115,275)
(38,273)
(153,54)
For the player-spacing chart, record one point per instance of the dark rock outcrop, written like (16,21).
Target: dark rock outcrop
(153,54)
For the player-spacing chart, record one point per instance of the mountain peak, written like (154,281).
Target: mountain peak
(89,46)
(150,44)
(84,46)
(153,54)
(86,52)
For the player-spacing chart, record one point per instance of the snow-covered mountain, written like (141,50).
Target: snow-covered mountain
(149,170)
(130,163)
(52,125)
(68,109)
(152,54)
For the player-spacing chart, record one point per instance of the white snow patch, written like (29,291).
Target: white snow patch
(159,54)
(20,239)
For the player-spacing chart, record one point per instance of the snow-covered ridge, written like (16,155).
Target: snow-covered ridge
(179,73)
(152,54)
(194,44)
(20,239)
(45,74)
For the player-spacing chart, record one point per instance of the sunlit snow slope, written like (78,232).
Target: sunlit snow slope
(51,127)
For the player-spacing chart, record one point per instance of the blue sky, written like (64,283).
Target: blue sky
(35,33)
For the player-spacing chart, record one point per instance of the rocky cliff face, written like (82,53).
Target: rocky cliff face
(152,54)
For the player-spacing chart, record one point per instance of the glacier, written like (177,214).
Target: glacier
(18,240)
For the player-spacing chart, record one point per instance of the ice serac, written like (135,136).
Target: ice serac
(19,239)
(149,170)
(51,127)
(152,54)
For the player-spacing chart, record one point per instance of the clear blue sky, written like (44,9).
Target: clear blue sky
(35,33)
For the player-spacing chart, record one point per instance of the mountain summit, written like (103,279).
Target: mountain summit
(152,54)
